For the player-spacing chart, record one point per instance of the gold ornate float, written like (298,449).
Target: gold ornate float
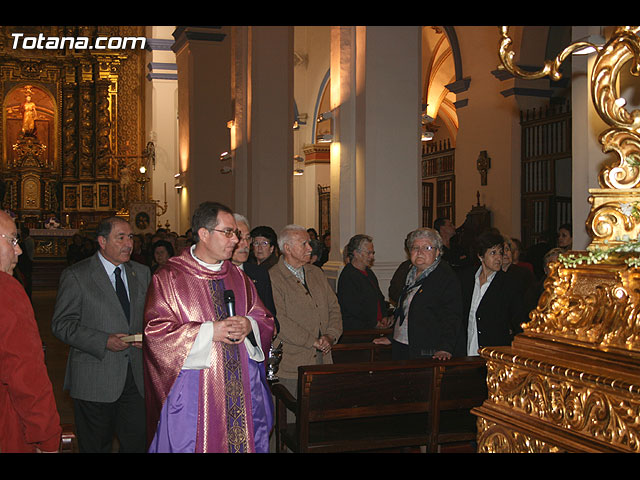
(571,381)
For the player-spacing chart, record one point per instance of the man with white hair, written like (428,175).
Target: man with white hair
(257,273)
(308,309)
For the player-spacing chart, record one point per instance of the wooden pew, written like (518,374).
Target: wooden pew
(376,405)
(463,386)
(363,336)
(360,352)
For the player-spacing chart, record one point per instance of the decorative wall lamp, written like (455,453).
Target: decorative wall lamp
(326,137)
(178,186)
(298,164)
(226,157)
(428,128)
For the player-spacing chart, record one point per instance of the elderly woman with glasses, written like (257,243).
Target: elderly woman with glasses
(264,246)
(493,302)
(429,311)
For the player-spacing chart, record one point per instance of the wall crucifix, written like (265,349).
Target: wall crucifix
(484,164)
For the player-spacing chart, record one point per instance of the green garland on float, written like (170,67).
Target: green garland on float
(599,255)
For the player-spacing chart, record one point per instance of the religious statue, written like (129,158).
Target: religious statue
(29,115)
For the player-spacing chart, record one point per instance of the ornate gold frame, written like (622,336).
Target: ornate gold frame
(571,380)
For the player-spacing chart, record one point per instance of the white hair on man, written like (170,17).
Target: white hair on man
(241,219)
(287,232)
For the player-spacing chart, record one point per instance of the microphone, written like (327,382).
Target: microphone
(230,302)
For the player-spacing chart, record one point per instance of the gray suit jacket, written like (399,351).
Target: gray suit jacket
(87,311)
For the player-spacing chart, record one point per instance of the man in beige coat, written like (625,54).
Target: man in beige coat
(308,309)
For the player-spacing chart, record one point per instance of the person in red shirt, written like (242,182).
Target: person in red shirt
(29,419)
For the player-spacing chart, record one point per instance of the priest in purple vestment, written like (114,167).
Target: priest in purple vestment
(205,383)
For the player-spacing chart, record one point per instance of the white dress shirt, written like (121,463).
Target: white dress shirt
(472,328)
(110,268)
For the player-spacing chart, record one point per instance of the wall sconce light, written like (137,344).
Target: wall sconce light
(328,136)
(324,116)
(298,163)
(178,186)
(301,119)
(225,156)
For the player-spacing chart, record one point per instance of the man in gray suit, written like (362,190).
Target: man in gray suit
(100,303)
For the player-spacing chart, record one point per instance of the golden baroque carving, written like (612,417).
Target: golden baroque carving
(494,438)
(622,136)
(594,305)
(605,409)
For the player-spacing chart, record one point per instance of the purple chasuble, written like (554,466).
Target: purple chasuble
(224,408)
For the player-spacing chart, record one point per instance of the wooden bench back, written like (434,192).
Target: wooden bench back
(384,404)
(463,384)
(357,390)
(360,352)
(363,336)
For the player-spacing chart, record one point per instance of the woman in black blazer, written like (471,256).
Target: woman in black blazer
(362,304)
(429,312)
(493,304)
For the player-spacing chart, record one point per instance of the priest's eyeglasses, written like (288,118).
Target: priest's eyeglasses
(11,239)
(229,232)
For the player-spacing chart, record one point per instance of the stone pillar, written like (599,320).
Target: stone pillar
(262,127)
(375,156)
(587,155)
(162,122)
(204,109)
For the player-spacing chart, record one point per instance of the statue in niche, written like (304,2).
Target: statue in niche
(29,114)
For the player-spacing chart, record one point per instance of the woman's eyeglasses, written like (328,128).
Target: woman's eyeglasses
(425,249)
(262,243)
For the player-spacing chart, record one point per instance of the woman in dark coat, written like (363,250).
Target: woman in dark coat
(429,311)
(493,302)
(362,304)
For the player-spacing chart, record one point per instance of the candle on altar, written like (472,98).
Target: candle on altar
(165,192)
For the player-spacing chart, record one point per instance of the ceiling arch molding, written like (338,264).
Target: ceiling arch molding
(461,84)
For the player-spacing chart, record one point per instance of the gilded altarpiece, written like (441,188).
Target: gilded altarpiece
(571,381)
(72,130)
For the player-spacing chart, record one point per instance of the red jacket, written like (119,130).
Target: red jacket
(29,418)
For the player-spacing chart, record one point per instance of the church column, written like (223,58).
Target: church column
(204,109)
(375,155)
(262,126)
(162,122)
(587,155)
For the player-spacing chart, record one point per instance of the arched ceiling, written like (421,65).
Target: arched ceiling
(438,70)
